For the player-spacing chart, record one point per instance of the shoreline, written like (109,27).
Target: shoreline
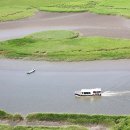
(46,61)
(122,65)
(66,62)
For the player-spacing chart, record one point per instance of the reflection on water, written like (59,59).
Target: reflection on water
(88,98)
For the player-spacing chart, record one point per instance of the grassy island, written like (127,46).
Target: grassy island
(65,46)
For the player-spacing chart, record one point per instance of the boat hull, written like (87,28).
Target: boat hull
(78,93)
(32,71)
(86,95)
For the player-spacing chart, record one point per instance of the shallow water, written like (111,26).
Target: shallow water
(88,24)
(51,88)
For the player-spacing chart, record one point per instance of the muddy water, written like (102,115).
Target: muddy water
(51,88)
(87,24)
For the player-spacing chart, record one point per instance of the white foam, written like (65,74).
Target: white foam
(114,93)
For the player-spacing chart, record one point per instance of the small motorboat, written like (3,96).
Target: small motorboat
(89,92)
(31,71)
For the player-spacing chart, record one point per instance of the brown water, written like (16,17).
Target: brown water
(51,88)
(87,24)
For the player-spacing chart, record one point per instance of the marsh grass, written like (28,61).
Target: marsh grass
(6,116)
(65,46)
(14,13)
(54,35)
(25,8)
(123,124)
(113,122)
(80,119)
(77,121)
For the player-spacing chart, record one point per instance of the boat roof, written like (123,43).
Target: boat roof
(90,90)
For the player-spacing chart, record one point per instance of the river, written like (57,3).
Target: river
(51,88)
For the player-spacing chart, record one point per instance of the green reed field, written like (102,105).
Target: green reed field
(17,9)
(65,46)
(73,121)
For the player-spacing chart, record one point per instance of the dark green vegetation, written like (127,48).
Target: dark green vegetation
(7,116)
(65,46)
(80,119)
(123,124)
(115,122)
(77,121)
(24,8)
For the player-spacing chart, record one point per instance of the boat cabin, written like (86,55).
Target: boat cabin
(89,92)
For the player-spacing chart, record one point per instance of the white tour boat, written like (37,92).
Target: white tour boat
(89,92)
(31,71)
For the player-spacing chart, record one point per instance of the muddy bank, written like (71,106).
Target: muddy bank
(49,124)
(87,24)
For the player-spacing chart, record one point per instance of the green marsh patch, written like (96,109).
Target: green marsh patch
(65,46)
(25,8)
(72,121)
(54,35)
(6,116)
(14,13)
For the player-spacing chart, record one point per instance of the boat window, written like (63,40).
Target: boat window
(87,93)
(96,91)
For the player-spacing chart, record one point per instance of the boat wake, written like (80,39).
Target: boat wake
(115,93)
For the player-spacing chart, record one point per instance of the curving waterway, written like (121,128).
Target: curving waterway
(88,24)
(51,88)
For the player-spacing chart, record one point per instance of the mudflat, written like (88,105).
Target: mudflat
(87,24)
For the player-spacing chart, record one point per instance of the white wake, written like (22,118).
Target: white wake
(115,93)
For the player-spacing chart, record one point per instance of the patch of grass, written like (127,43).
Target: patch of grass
(80,119)
(6,116)
(14,13)
(24,8)
(113,7)
(54,35)
(65,46)
(113,122)
(17,117)
(124,124)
